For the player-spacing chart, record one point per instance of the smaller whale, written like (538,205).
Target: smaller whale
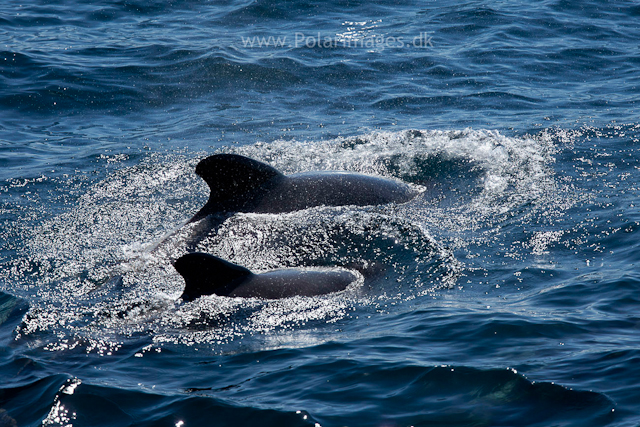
(206,274)
(241,184)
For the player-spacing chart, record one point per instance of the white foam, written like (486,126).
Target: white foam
(117,220)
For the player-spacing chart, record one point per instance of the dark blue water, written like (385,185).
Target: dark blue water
(507,294)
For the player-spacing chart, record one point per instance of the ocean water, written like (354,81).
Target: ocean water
(505,295)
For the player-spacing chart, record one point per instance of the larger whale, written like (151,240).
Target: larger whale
(241,184)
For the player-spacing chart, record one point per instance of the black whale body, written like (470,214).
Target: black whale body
(241,184)
(206,274)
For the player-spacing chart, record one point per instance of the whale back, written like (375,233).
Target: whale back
(206,274)
(233,181)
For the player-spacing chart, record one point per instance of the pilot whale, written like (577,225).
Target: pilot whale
(242,184)
(205,274)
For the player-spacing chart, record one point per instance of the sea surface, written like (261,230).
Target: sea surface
(506,294)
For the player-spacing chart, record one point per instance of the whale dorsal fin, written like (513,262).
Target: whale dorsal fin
(232,179)
(206,274)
